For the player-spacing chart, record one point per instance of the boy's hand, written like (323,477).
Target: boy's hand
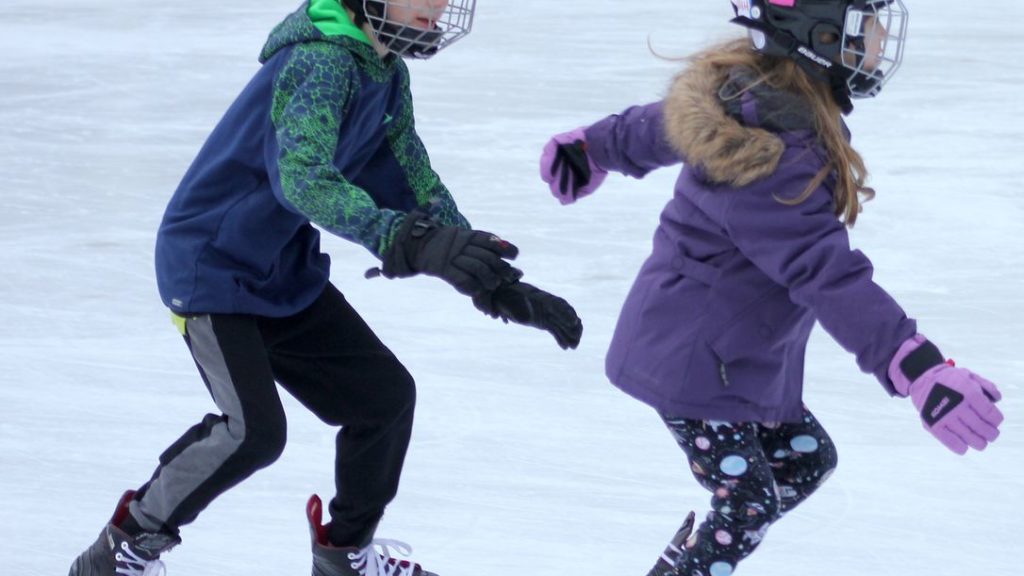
(528,305)
(470,260)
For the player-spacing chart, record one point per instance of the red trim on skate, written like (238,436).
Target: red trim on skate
(315,515)
(121,512)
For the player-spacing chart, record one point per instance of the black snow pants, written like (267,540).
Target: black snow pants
(327,358)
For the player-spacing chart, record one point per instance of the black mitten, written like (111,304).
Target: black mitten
(470,260)
(528,305)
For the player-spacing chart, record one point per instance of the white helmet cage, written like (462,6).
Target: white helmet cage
(419,28)
(857,42)
(874,37)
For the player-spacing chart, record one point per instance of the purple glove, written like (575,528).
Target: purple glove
(957,406)
(568,169)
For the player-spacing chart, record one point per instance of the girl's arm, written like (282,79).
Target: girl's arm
(633,142)
(574,164)
(805,248)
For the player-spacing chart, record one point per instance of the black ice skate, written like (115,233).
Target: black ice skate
(334,561)
(116,553)
(669,560)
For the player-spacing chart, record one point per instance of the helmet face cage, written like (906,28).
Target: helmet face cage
(434,24)
(874,35)
(857,42)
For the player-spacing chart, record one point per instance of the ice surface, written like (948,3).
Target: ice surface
(524,459)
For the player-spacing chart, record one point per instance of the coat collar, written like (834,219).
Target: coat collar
(734,134)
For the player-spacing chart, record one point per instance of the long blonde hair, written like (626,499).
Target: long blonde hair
(784,74)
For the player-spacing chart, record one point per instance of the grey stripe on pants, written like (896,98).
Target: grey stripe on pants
(183,475)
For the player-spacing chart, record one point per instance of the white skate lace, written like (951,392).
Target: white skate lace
(371,563)
(135,565)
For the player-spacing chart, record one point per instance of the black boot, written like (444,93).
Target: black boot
(331,560)
(666,564)
(117,553)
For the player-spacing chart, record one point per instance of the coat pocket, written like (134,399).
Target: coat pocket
(696,270)
(760,329)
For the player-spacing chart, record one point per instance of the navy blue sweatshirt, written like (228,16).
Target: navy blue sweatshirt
(323,134)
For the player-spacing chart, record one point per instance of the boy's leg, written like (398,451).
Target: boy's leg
(331,361)
(801,455)
(727,460)
(223,449)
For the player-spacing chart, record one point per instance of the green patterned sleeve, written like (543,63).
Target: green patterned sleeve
(408,149)
(311,95)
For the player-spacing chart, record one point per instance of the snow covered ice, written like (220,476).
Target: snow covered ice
(524,459)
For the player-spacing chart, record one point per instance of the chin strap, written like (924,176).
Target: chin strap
(840,95)
(810,61)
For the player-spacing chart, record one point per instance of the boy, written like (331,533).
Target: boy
(323,134)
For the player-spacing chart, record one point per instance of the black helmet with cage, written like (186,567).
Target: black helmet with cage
(854,45)
(441,23)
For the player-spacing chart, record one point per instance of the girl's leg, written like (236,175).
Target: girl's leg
(332,362)
(801,456)
(727,459)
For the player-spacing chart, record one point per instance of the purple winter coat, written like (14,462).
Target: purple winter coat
(716,324)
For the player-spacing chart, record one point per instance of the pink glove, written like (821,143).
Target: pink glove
(956,405)
(568,169)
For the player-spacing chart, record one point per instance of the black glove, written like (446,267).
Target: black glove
(528,305)
(470,260)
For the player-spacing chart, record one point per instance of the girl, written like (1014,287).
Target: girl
(752,251)
(323,134)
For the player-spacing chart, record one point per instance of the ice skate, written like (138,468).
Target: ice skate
(669,560)
(351,561)
(116,553)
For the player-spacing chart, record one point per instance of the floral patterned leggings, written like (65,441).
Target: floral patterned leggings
(756,472)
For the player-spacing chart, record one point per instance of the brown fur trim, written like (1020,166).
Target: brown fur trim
(697,125)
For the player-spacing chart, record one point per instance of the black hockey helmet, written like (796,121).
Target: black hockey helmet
(445,25)
(854,45)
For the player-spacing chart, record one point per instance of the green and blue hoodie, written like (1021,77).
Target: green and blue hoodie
(323,134)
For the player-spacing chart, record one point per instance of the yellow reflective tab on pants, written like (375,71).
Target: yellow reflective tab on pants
(179,322)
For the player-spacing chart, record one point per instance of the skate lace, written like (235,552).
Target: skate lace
(368,562)
(135,565)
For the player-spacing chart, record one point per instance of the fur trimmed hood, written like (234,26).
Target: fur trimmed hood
(703,113)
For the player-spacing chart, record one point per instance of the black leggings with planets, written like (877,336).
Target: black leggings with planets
(756,472)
